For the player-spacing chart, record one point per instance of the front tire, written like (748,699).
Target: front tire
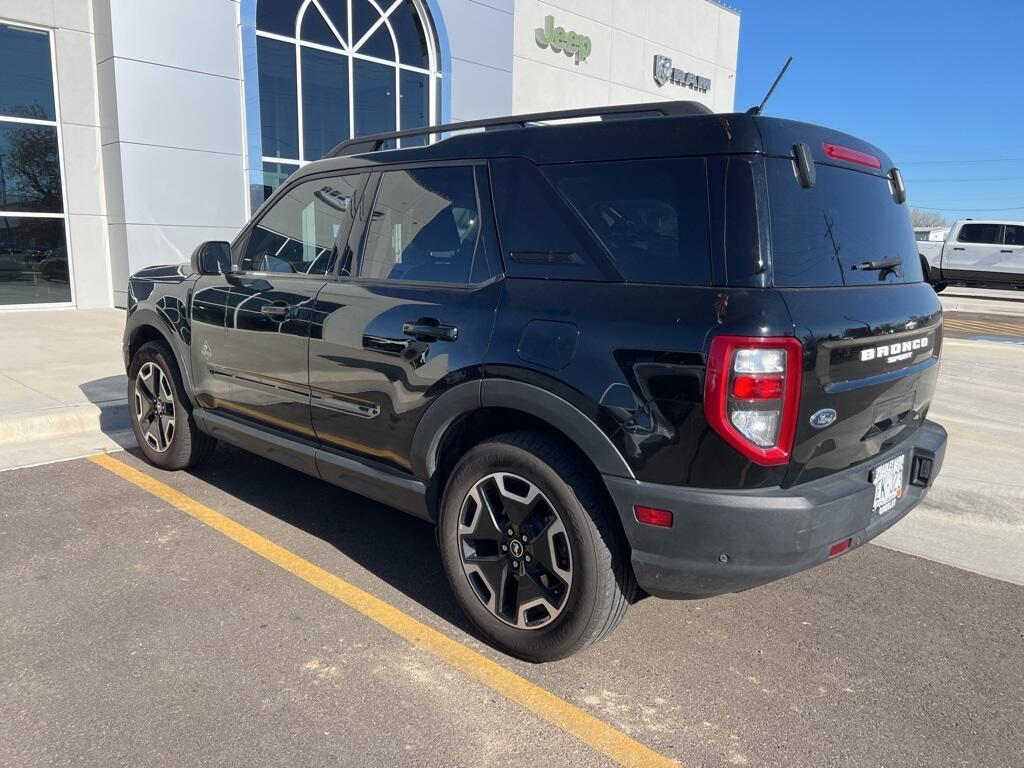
(532,549)
(160,412)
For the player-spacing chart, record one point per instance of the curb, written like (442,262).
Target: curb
(31,437)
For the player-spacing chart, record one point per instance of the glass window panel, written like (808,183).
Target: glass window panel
(412,38)
(374,97)
(278,16)
(424,227)
(278,101)
(265,181)
(364,16)
(980,233)
(415,103)
(337,12)
(651,215)
(29,169)
(26,78)
(315,29)
(33,261)
(305,229)
(379,44)
(1013,234)
(324,101)
(847,217)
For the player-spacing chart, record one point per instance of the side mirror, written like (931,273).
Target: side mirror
(212,258)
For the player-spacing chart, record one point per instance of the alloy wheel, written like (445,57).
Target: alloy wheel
(515,551)
(154,406)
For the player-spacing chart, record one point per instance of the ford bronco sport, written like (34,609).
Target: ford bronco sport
(658,352)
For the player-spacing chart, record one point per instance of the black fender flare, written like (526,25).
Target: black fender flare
(465,398)
(144,317)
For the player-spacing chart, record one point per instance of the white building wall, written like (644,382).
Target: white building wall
(172,138)
(699,36)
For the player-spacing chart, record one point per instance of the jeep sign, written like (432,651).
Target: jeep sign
(571,43)
(664,72)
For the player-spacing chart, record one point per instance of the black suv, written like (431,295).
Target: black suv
(659,352)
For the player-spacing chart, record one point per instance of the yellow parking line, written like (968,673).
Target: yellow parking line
(592,731)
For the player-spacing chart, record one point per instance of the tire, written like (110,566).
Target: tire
(181,445)
(926,270)
(579,556)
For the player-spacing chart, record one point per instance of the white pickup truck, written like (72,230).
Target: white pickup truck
(976,253)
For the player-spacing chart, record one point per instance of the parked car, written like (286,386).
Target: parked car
(667,352)
(978,253)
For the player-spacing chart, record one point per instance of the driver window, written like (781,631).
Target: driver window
(305,229)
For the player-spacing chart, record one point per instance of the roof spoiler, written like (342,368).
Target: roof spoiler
(377,141)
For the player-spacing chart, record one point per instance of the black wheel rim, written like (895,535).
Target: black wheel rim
(515,551)
(155,409)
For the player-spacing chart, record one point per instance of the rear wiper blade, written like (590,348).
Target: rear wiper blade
(880,264)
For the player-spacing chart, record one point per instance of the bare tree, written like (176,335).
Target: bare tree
(919,218)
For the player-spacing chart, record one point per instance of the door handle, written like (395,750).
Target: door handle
(430,329)
(278,310)
(1005,250)
(958,248)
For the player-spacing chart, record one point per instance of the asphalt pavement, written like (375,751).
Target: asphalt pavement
(311,627)
(133,634)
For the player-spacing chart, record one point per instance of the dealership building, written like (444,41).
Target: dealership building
(132,130)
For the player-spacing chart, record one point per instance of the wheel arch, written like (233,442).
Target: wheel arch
(475,411)
(145,325)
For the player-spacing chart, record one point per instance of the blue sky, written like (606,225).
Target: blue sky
(935,84)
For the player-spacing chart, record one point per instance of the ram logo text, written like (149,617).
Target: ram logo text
(895,352)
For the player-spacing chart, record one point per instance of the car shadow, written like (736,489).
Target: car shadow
(392,545)
(109,394)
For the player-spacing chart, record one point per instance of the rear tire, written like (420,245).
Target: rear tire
(926,270)
(562,581)
(160,411)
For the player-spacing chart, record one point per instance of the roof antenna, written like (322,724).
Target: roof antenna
(759,109)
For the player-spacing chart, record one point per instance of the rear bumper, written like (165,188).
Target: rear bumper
(765,534)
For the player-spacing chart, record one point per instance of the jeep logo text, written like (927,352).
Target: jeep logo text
(571,43)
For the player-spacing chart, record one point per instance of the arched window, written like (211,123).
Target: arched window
(329,70)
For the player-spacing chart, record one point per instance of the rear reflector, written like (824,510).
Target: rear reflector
(651,516)
(839,152)
(839,547)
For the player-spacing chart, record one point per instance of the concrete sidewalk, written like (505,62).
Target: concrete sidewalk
(62,385)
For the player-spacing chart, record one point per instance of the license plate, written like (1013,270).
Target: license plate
(888,480)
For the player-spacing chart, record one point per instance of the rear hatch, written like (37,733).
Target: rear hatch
(871,329)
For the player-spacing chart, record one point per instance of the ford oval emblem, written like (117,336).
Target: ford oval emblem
(826,417)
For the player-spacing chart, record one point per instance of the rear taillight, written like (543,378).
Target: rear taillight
(752,394)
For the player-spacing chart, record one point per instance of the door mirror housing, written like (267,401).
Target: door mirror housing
(212,258)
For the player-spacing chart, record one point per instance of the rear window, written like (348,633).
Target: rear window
(847,218)
(650,215)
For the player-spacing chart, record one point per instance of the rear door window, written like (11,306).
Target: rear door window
(1013,234)
(846,219)
(424,227)
(650,215)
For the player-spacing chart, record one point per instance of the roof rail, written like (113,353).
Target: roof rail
(375,142)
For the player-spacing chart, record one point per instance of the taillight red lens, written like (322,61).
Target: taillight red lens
(652,516)
(850,155)
(752,394)
(748,387)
